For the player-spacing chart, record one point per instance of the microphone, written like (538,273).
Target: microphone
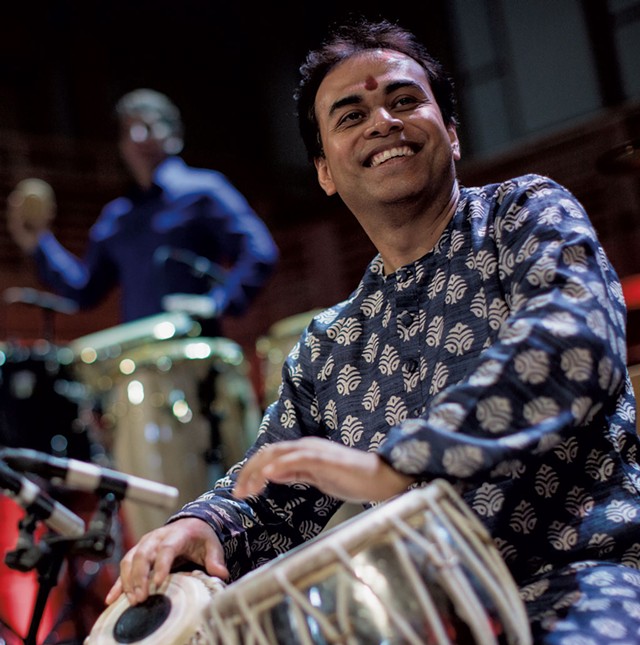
(35,501)
(200,266)
(90,477)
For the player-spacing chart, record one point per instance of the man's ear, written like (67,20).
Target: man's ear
(324,176)
(455,143)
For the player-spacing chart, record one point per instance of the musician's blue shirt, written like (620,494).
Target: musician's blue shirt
(189,209)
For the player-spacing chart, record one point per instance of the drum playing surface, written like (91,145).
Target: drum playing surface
(174,615)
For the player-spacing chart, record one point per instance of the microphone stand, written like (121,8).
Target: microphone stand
(47,556)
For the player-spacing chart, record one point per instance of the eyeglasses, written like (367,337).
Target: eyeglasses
(141,131)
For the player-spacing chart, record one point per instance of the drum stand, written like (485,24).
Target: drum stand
(47,555)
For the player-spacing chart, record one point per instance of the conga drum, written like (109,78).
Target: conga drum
(419,569)
(183,410)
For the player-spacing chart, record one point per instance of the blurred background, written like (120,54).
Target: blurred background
(543,86)
(546,86)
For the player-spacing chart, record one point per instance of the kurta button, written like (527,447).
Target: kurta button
(412,365)
(406,319)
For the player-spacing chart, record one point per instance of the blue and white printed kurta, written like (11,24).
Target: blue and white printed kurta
(498,362)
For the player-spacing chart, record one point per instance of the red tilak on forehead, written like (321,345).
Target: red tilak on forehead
(370,83)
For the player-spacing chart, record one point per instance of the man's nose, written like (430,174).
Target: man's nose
(383,123)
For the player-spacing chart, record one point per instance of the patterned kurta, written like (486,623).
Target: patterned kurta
(497,362)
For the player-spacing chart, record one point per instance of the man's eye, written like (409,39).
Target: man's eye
(403,101)
(350,118)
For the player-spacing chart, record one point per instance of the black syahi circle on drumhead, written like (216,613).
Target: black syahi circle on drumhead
(142,620)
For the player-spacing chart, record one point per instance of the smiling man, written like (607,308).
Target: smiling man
(485,345)
(388,153)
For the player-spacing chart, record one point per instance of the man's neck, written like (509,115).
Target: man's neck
(143,174)
(403,237)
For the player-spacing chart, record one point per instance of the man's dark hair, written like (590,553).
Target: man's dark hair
(352,37)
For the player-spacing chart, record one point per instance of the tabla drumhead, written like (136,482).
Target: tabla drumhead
(175,615)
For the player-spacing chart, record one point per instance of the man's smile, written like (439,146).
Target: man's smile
(391,153)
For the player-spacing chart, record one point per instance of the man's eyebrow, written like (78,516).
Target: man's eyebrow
(398,85)
(352,99)
(355,99)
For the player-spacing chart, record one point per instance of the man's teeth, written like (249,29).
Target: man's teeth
(404,151)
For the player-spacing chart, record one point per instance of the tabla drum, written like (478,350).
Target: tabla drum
(40,400)
(175,615)
(182,411)
(419,569)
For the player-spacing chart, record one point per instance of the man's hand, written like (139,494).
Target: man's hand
(146,566)
(31,207)
(345,473)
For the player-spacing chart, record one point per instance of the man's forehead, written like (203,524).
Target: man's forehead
(370,83)
(367,71)
(144,116)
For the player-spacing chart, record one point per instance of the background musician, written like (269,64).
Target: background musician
(181,239)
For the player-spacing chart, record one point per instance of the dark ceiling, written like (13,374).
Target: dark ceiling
(230,68)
